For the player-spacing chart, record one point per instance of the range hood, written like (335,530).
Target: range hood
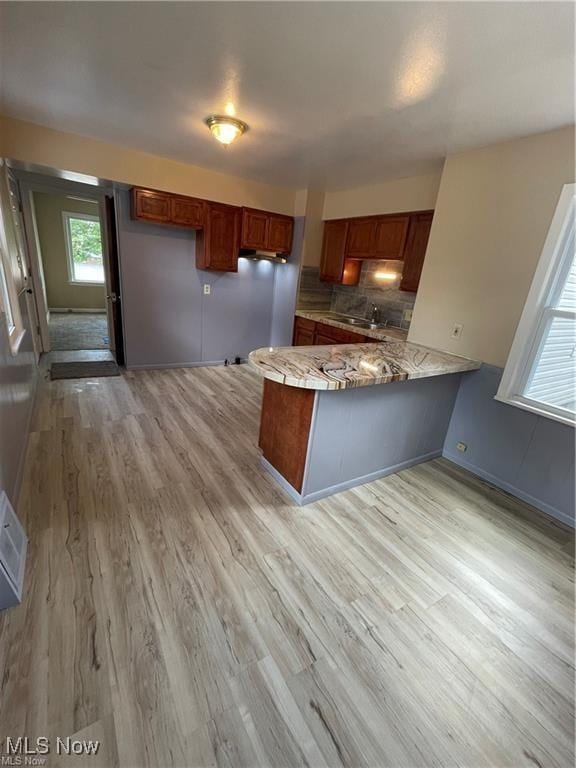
(257,255)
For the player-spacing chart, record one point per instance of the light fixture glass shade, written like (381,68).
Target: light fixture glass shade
(225,129)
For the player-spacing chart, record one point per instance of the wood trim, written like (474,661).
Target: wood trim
(285,428)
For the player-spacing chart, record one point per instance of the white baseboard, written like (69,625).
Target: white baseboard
(164,366)
(308,498)
(548,509)
(74,310)
(24,454)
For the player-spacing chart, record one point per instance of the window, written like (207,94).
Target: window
(540,374)
(84,248)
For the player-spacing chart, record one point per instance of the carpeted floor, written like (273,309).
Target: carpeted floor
(78,331)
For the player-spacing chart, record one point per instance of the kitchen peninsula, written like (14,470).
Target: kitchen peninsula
(337,416)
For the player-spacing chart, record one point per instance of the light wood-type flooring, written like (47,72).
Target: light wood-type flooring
(179,608)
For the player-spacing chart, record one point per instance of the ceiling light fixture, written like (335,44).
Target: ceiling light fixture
(225,129)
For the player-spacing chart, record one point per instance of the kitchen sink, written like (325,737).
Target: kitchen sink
(359,323)
(354,321)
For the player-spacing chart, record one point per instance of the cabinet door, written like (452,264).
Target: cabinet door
(390,237)
(415,251)
(361,235)
(303,338)
(150,205)
(217,244)
(187,211)
(254,229)
(280,230)
(333,244)
(328,334)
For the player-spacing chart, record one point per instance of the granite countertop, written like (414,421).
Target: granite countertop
(344,366)
(330,318)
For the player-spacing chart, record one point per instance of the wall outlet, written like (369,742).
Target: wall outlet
(408,315)
(462,447)
(207,289)
(457,330)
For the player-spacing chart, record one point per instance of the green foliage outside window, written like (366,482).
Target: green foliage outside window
(85,239)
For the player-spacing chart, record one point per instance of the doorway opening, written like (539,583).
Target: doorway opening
(70,239)
(74,265)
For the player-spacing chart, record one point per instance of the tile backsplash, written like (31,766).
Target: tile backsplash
(379,284)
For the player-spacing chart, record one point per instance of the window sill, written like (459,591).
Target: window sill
(537,410)
(86,282)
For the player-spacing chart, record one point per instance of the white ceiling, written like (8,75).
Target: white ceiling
(345,93)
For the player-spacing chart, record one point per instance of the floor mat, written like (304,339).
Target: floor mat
(84,370)
(76,330)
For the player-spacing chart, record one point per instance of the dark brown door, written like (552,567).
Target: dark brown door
(254,229)
(280,229)
(150,205)
(114,296)
(186,211)
(415,251)
(222,238)
(390,237)
(360,242)
(333,244)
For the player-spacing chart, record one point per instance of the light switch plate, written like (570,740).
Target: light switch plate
(207,289)
(408,315)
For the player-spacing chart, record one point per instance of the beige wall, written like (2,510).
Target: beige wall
(493,211)
(414,193)
(313,228)
(70,152)
(59,291)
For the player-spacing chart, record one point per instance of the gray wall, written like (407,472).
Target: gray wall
(362,433)
(18,378)
(527,455)
(167,318)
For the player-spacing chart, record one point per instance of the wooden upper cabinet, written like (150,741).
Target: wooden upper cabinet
(266,231)
(334,266)
(333,246)
(415,251)
(187,211)
(361,238)
(390,237)
(280,233)
(255,225)
(218,243)
(151,205)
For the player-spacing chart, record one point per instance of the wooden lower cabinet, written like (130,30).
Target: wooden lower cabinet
(308,333)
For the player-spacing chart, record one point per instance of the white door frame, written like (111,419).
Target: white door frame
(30,183)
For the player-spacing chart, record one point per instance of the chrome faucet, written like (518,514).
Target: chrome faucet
(374,314)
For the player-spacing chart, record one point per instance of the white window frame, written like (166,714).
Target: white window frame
(66,216)
(538,313)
